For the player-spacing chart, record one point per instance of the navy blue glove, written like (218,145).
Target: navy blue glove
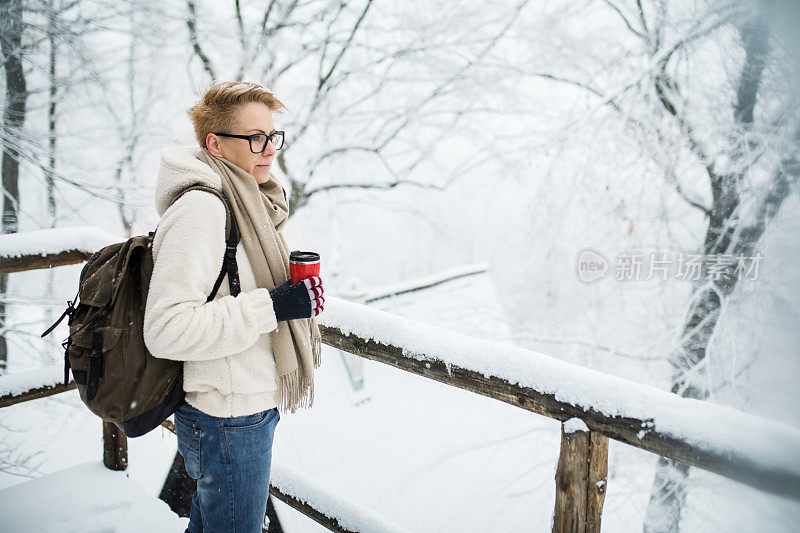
(301,300)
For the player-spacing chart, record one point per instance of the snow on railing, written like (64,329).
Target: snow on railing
(754,450)
(33,384)
(323,505)
(47,248)
(320,503)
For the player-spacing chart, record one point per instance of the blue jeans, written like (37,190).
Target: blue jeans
(230,459)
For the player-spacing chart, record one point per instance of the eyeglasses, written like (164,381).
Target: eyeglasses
(258,141)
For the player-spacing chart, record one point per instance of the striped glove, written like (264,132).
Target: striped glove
(302,300)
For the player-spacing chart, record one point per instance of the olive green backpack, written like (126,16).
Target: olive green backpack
(117,378)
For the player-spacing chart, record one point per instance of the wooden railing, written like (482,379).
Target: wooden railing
(731,460)
(771,465)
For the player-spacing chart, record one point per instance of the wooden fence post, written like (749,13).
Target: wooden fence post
(115,447)
(580,479)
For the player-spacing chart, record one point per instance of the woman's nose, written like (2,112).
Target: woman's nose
(269,149)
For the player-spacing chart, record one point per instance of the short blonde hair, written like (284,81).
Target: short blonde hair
(218,109)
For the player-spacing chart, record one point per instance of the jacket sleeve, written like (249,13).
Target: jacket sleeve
(178,322)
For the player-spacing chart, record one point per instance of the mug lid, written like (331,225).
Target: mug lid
(298,256)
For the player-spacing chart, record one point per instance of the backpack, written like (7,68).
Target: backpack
(117,378)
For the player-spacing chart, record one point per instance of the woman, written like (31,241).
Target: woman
(245,356)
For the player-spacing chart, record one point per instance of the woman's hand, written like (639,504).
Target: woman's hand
(301,300)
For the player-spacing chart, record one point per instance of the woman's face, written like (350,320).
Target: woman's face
(254,117)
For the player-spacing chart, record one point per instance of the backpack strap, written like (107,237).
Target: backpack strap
(232,238)
(229,267)
(95,371)
(68,313)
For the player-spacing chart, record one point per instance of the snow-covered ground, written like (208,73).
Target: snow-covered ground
(86,497)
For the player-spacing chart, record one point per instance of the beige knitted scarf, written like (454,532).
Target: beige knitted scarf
(261,210)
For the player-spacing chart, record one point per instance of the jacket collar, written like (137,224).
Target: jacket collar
(179,169)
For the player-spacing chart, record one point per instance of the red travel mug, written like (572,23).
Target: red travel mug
(302,265)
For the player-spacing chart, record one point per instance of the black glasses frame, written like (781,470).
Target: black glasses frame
(251,138)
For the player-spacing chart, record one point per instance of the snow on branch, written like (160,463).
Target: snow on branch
(426,282)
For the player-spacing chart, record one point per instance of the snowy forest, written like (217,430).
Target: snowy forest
(610,184)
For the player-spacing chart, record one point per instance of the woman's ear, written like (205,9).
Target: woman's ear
(212,145)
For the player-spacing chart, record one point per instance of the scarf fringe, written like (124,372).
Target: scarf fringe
(298,391)
(316,348)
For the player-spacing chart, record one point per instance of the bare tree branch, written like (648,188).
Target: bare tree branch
(624,19)
(191,23)
(677,186)
(346,44)
(377,186)
(756,49)
(642,17)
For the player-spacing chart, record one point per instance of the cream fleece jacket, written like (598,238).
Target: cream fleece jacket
(228,365)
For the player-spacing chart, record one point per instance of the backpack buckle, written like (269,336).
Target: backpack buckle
(68,312)
(230,250)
